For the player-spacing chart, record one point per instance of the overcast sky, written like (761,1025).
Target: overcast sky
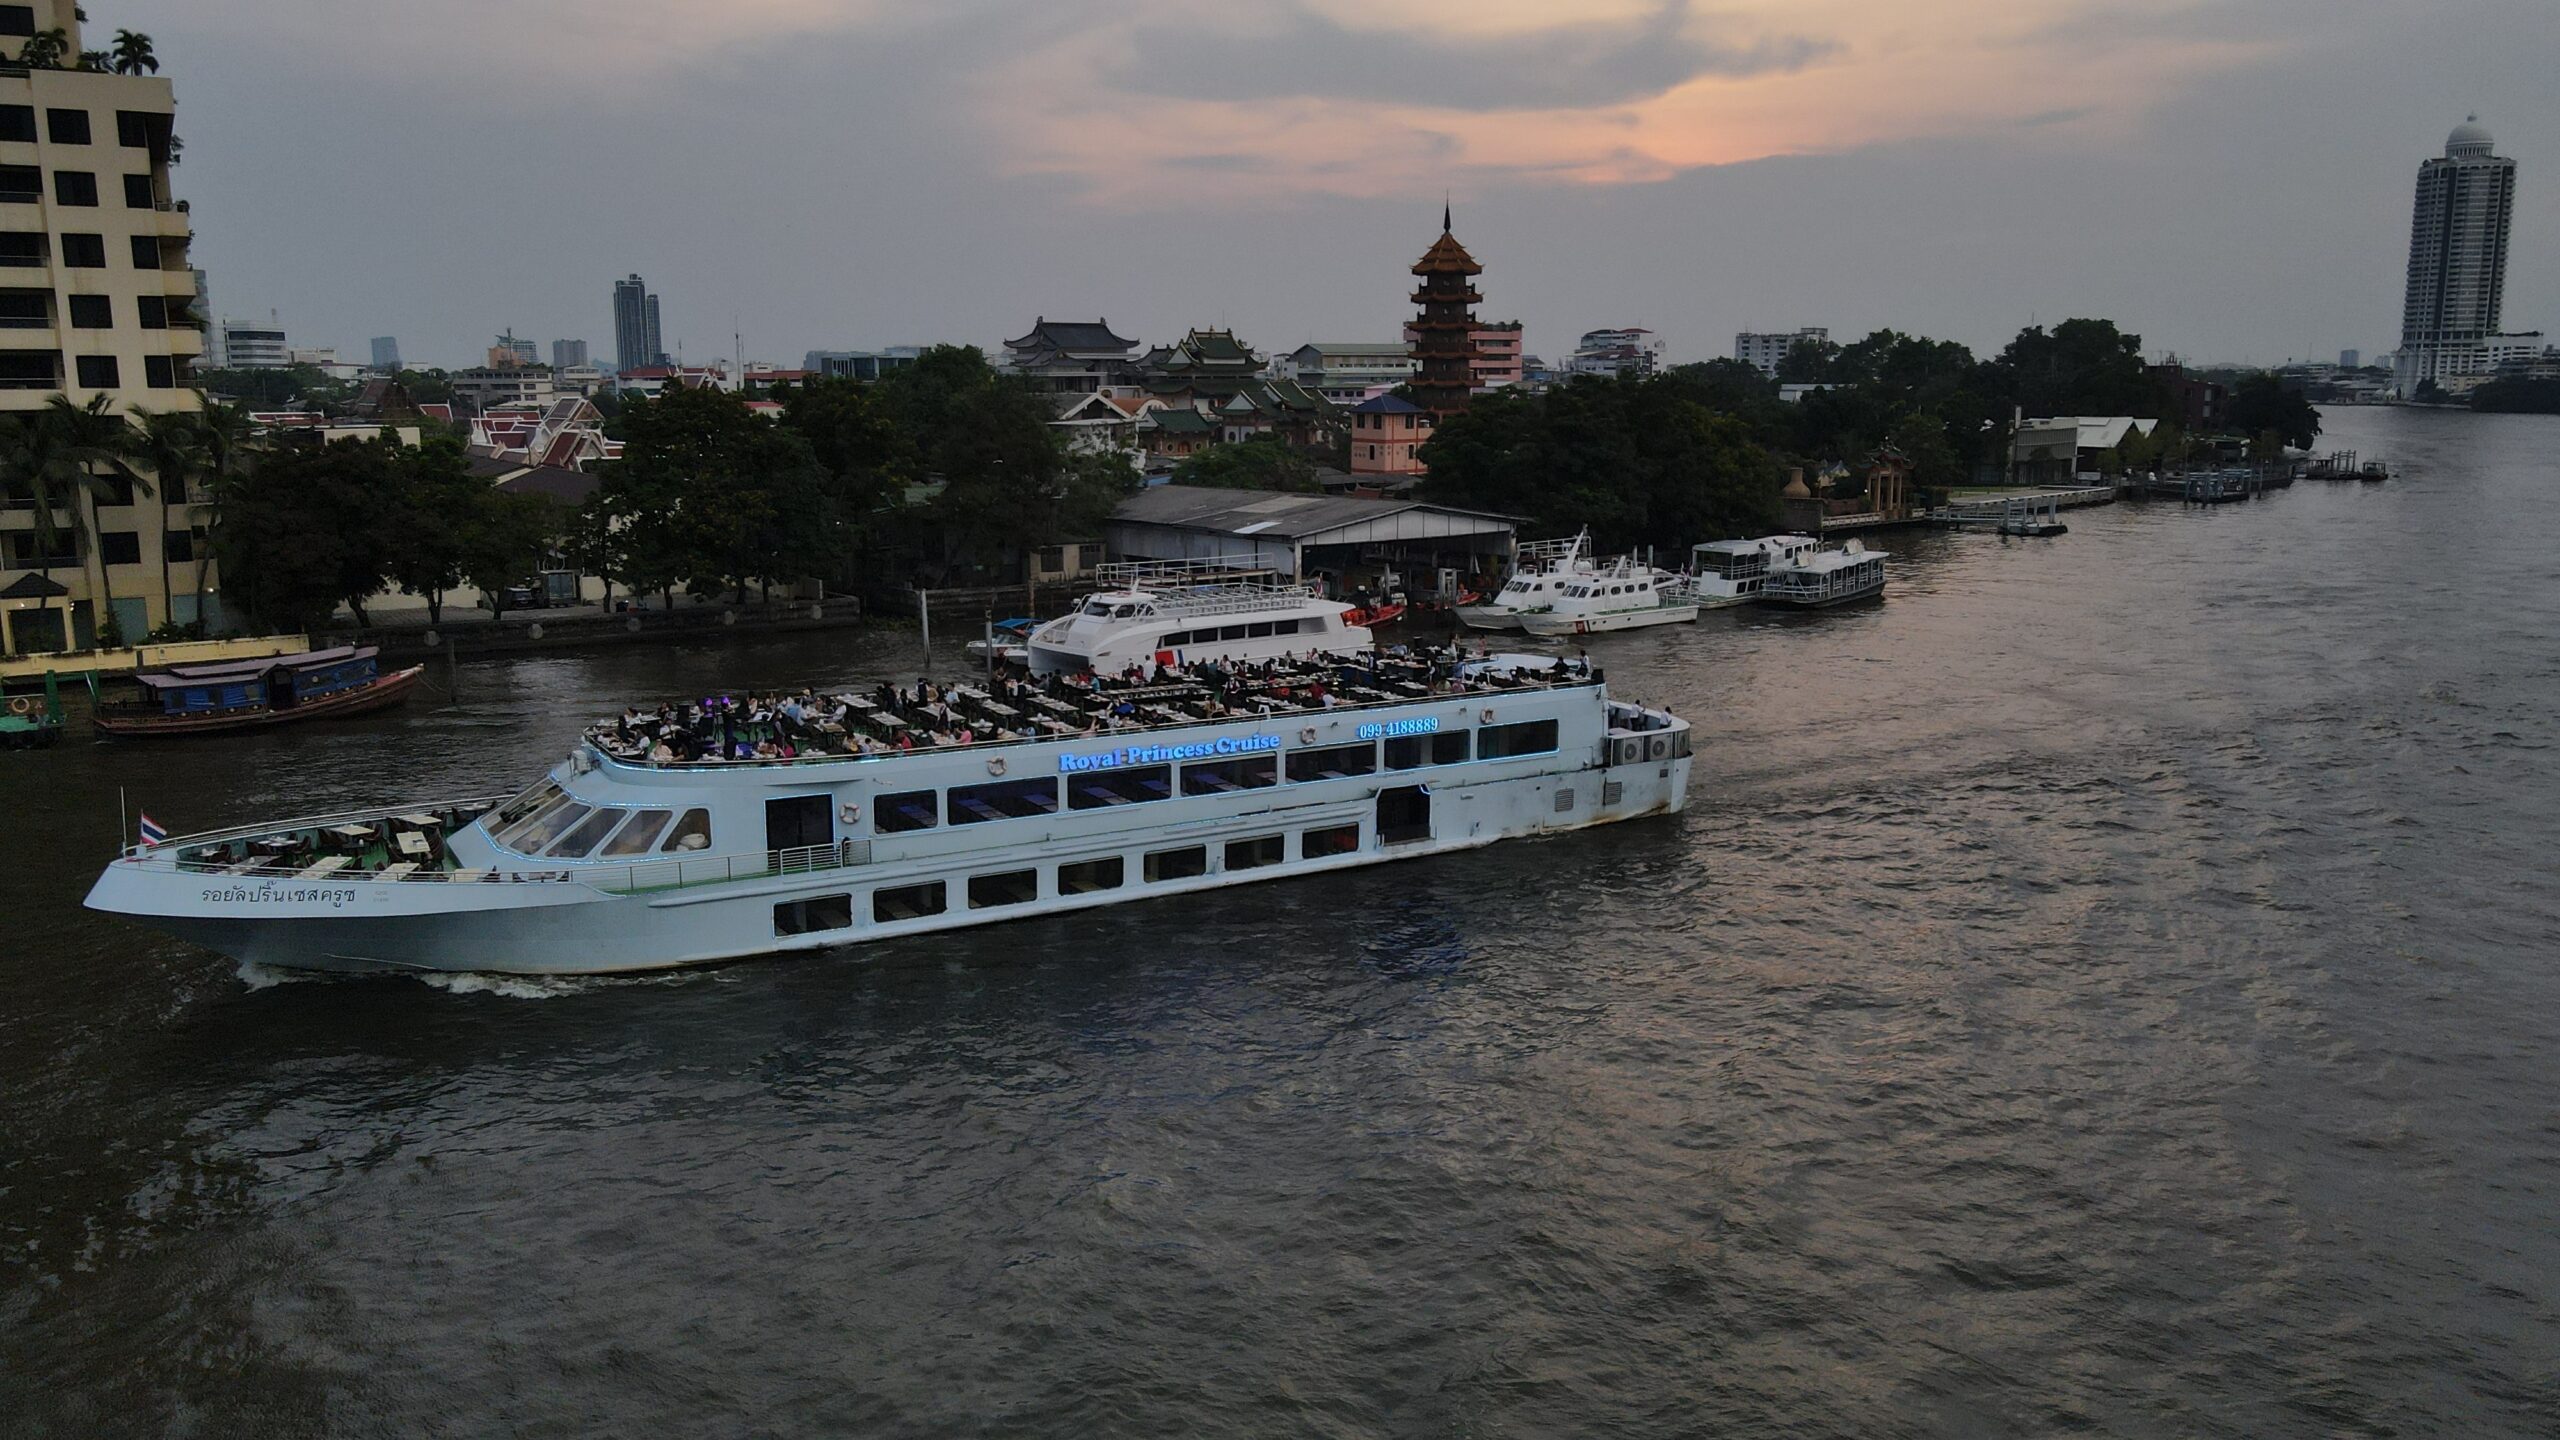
(2230,178)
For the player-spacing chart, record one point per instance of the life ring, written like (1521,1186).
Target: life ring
(996,766)
(849,812)
(1307,736)
(22,704)
(1487,717)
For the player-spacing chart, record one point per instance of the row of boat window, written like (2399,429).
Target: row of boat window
(1579,592)
(547,821)
(1252,630)
(1138,784)
(1003,888)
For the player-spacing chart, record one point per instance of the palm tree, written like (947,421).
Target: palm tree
(56,454)
(133,54)
(227,448)
(96,61)
(171,447)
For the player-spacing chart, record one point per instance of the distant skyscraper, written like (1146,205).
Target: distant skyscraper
(1762,350)
(2350,359)
(2457,261)
(568,354)
(386,352)
(635,326)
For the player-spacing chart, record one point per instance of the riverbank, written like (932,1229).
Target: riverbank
(410,637)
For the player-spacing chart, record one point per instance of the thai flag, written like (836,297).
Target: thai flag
(153,832)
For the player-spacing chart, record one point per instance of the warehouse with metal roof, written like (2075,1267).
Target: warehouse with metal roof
(1302,536)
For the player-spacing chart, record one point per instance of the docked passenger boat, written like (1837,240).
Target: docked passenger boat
(1010,643)
(621,858)
(1627,595)
(1166,613)
(254,694)
(1539,573)
(31,713)
(1823,578)
(1729,572)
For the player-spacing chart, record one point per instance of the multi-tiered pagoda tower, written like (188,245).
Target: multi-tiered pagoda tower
(1444,344)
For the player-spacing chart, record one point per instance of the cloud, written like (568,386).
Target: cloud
(1327,96)
(1298,52)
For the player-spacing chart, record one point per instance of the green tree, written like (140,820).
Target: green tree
(132,54)
(2084,367)
(303,532)
(2261,406)
(1807,362)
(505,539)
(2518,395)
(430,514)
(44,49)
(710,496)
(1261,463)
(69,458)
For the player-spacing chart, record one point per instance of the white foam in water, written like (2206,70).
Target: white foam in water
(266,977)
(513,987)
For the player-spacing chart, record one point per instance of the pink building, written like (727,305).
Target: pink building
(1386,433)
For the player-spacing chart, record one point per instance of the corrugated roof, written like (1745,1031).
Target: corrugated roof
(1240,512)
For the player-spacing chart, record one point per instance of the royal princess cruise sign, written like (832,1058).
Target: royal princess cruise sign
(1127,755)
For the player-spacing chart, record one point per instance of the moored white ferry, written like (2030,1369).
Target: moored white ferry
(1180,612)
(1540,572)
(1818,579)
(622,859)
(1626,594)
(1729,572)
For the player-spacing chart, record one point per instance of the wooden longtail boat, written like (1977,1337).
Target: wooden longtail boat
(255,694)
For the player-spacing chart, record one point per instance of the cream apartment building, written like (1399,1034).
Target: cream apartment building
(96,298)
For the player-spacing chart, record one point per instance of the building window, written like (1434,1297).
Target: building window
(75,187)
(97,372)
(1334,762)
(67,127)
(160,372)
(21,247)
(1012,887)
(177,546)
(1529,737)
(1255,853)
(1173,864)
(30,369)
(818,912)
(92,312)
(1003,800)
(21,184)
(909,902)
(912,810)
(152,311)
(26,309)
(18,20)
(1086,876)
(133,129)
(119,547)
(146,252)
(1331,840)
(89,252)
(18,122)
(1100,789)
(138,193)
(26,554)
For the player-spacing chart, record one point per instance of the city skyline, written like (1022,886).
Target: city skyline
(2227,180)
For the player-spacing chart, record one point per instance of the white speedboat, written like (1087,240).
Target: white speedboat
(1729,572)
(1823,578)
(626,857)
(1626,595)
(1178,612)
(1539,573)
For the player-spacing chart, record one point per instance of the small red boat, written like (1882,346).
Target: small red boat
(1378,614)
(255,694)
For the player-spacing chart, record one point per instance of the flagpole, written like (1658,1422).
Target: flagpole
(122,829)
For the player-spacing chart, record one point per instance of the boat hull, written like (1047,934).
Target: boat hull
(566,927)
(1552,625)
(1785,601)
(384,692)
(1488,618)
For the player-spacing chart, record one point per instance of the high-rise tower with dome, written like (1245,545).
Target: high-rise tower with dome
(2457,262)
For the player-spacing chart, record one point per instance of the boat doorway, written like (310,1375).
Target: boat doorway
(1404,814)
(796,822)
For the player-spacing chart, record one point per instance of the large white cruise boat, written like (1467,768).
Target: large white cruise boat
(1183,612)
(1729,572)
(1539,573)
(627,856)
(1627,594)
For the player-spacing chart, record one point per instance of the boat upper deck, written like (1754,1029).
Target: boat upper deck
(813,727)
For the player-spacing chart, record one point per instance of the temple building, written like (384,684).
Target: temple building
(1443,333)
